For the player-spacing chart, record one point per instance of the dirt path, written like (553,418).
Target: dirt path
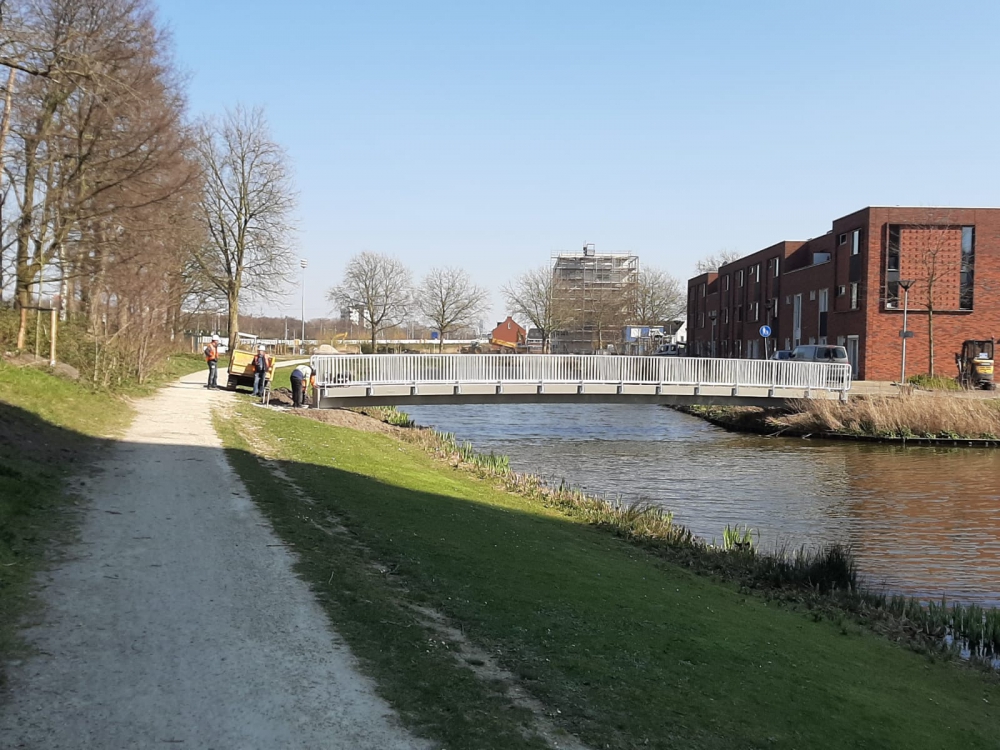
(177,621)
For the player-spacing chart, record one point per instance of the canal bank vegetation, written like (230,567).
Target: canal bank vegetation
(922,417)
(644,637)
(822,579)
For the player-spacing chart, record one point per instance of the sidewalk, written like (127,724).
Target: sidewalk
(177,618)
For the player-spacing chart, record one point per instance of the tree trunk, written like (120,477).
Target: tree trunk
(374,339)
(4,130)
(234,319)
(930,339)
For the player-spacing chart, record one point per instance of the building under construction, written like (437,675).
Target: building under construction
(594,292)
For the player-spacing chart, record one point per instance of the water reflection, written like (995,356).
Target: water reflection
(924,521)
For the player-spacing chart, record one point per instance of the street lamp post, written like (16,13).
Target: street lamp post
(905,333)
(304,264)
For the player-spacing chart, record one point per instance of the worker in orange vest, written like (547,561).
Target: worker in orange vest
(212,358)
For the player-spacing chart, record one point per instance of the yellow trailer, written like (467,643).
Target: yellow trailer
(241,370)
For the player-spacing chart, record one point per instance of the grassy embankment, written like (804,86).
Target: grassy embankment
(622,647)
(49,428)
(922,416)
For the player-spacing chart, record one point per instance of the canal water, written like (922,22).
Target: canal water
(923,521)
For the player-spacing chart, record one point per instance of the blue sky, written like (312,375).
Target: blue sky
(489,134)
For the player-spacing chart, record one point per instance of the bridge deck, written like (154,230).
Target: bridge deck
(382,380)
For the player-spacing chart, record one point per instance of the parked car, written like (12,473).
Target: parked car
(821,353)
(782,354)
(671,350)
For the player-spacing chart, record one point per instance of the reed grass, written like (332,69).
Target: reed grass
(388,414)
(925,415)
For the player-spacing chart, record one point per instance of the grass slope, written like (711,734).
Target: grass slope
(47,427)
(626,650)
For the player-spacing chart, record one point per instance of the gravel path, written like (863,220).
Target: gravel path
(177,621)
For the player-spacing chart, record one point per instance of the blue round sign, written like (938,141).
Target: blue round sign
(765,331)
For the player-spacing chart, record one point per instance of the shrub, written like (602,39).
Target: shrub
(934,382)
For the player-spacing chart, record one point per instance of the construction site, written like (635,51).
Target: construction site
(594,293)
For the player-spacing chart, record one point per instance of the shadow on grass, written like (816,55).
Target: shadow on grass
(36,457)
(624,646)
(620,647)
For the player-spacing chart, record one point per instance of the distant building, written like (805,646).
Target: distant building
(508,334)
(845,288)
(595,291)
(533,343)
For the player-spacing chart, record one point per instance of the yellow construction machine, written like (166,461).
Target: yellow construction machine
(975,364)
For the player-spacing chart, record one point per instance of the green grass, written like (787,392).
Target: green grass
(622,647)
(48,427)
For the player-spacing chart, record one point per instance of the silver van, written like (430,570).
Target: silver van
(820,353)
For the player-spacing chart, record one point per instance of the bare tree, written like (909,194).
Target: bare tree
(534,295)
(246,209)
(380,287)
(97,136)
(712,263)
(659,298)
(448,299)
(936,255)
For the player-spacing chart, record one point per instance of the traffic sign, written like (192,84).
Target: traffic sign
(765,331)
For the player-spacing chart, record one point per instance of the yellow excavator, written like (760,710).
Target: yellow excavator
(975,364)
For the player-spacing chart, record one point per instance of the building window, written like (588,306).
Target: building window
(739,278)
(812,295)
(774,307)
(756,272)
(855,242)
(854,295)
(788,299)
(725,315)
(892,268)
(777,267)
(725,283)
(739,314)
(701,320)
(702,290)
(788,344)
(842,240)
(968,268)
(841,290)
(755,310)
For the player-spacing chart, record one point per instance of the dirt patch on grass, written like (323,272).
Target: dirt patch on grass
(350,419)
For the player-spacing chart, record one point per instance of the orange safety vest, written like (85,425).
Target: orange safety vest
(212,352)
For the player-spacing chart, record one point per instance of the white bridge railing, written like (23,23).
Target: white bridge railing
(333,370)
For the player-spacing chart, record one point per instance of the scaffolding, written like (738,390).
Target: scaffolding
(594,291)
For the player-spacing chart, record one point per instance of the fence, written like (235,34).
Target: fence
(457,369)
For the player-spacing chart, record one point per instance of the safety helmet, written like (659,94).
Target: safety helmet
(261,348)
(215,338)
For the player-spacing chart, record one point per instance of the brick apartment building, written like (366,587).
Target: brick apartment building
(843,288)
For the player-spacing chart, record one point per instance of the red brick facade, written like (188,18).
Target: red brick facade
(842,288)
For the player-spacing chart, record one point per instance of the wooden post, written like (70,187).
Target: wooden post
(22,329)
(52,337)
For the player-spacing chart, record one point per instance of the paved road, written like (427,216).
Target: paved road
(178,622)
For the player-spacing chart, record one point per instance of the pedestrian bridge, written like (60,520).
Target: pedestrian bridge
(344,380)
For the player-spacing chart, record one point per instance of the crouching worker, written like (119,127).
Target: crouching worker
(261,369)
(302,376)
